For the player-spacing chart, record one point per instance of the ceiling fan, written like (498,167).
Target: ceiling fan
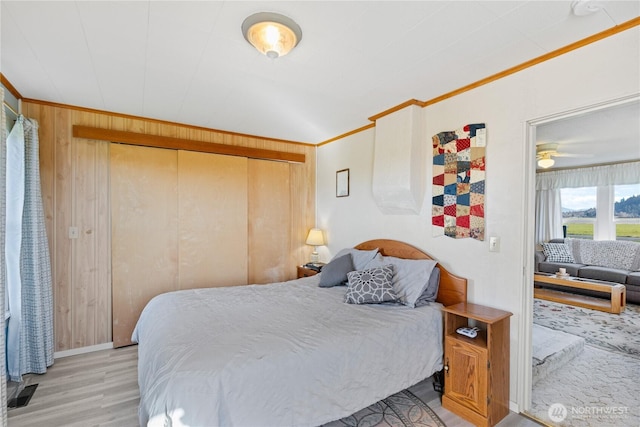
(545,153)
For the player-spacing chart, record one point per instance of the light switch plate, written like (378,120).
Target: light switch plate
(494,244)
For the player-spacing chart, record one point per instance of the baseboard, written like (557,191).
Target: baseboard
(513,407)
(82,350)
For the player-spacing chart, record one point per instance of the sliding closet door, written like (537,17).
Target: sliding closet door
(270,221)
(183,220)
(212,230)
(144,209)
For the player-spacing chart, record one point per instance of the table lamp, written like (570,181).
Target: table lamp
(315,239)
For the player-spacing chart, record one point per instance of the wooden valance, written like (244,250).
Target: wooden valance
(145,140)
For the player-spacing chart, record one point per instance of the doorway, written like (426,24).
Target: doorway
(589,156)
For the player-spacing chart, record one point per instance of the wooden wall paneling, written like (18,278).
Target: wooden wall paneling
(103,121)
(117,123)
(89,265)
(183,132)
(92,257)
(269,221)
(212,194)
(64,189)
(132,125)
(151,128)
(196,135)
(144,204)
(168,130)
(102,241)
(83,248)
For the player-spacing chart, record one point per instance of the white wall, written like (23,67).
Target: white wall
(605,70)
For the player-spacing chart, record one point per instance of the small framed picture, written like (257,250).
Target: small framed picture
(342,183)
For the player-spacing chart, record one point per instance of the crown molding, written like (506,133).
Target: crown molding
(7,84)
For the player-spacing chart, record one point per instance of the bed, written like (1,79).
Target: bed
(289,353)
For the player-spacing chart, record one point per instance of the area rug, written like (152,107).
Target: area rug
(613,332)
(404,409)
(552,350)
(598,388)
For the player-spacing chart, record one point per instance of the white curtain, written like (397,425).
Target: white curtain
(28,266)
(595,176)
(548,215)
(548,185)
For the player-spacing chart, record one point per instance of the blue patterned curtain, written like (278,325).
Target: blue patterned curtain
(29,284)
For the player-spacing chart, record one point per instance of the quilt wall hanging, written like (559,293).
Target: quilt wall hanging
(458,182)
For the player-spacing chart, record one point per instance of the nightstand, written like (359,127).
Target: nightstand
(305,272)
(476,381)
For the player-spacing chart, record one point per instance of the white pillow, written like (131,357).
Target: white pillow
(411,276)
(359,257)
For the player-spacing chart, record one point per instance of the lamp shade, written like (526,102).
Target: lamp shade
(315,237)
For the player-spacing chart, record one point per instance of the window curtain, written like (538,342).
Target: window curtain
(3,279)
(28,266)
(548,185)
(595,176)
(548,215)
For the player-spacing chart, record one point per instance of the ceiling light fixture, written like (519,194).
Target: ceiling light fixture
(274,35)
(545,161)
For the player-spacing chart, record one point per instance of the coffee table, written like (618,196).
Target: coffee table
(617,292)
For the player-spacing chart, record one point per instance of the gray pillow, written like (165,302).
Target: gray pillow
(359,257)
(335,273)
(411,276)
(431,292)
(371,286)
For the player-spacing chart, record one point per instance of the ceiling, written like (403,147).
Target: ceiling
(597,136)
(188,62)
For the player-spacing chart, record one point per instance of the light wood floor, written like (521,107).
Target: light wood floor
(101,389)
(93,389)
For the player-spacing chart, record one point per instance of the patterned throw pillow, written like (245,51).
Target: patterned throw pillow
(557,252)
(371,286)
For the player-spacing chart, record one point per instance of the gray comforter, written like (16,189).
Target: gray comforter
(288,353)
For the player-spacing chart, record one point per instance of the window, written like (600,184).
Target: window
(626,212)
(602,213)
(579,211)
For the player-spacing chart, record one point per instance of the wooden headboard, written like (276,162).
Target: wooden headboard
(452,290)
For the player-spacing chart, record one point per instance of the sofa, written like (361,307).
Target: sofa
(606,260)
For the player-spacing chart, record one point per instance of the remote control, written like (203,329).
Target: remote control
(468,332)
